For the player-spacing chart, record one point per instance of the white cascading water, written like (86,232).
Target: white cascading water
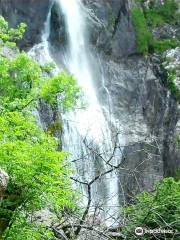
(87,128)
(90,121)
(86,132)
(40,52)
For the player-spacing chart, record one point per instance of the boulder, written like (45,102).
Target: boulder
(4,179)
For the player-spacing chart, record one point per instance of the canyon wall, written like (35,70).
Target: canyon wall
(147,113)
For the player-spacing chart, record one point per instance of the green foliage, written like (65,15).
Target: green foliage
(161,46)
(18,76)
(153,18)
(177,175)
(48,67)
(22,80)
(19,126)
(168,11)
(143,36)
(171,83)
(10,35)
(160,209)
(162,13)
(38,172)
(65,87)
(28,231)
(145,20)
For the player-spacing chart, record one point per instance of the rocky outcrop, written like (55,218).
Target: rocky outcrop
(111,27)
(109,24)
(147,115)
(147,112)
(4,179)
(31,12)
(166,31)
(58,34)
(171,64)
(51,120)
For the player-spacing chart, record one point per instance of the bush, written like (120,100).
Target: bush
(168,11)
(160,209)
(145,20)
(38,172)
(63,86)
(8,35)
(163,13)
(18,76)
(143,36)
(153,18)
(161,46)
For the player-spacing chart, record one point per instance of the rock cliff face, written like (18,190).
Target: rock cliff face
(111,27)
(31,12)
(146,111)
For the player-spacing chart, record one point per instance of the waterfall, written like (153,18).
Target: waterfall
(86,132)
(90,121)
(87,135)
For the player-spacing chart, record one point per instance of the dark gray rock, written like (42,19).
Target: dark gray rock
(143,168)
(31,12)
(147,115)
(58,35)
(50,120)
(167,31)
(111,27)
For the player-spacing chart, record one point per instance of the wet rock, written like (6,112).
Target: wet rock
(147,114)
(45,217)
(58,35)
(4,179)
(8,52)
(166,31)
(172,63)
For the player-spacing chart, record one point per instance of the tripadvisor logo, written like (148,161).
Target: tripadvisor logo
(139,231)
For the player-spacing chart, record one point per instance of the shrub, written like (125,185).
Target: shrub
(38,172)
(159,209)
(63,86)
(143,36)
(168,10)
(161,46)
(162,13)
(10,35)
(145,20)
(18,76)
(29,231)
(153,18)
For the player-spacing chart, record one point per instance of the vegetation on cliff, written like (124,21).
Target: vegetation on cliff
(145,19)
(151,16)
(37,170)
(157,210)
